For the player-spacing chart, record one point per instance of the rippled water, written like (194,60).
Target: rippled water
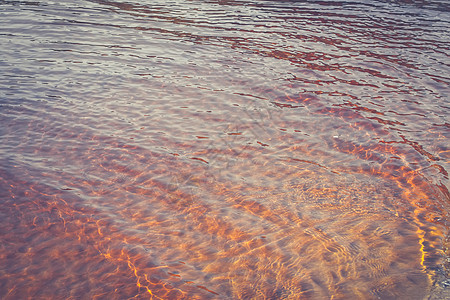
(224,149)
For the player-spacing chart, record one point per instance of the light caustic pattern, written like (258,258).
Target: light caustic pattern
(224,150)
(171,226)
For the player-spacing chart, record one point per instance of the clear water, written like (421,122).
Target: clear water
(224,149)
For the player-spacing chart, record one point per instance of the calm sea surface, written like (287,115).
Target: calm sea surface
(242,149)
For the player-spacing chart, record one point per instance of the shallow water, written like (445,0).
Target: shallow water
(224,149)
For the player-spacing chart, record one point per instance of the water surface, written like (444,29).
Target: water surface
(224,149)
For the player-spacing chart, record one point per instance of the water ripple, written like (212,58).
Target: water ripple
(224,149)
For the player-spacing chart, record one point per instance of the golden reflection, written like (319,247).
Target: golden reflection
(288,178)
(296,229)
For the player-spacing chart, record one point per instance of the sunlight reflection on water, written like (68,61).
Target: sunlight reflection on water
(224,150)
